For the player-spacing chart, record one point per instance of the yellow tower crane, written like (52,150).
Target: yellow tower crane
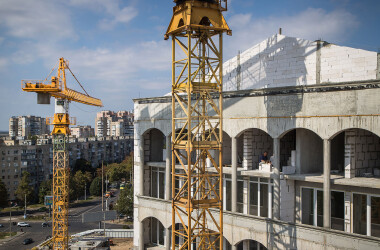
(196,30)
(61,122)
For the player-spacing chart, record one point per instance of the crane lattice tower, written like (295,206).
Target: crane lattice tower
(196,30)
(61,122)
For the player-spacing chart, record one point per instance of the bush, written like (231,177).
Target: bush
(96,187)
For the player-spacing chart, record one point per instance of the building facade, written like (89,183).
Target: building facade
(19,156)
(314,107)
(25,126)
(109,123)
(82,131)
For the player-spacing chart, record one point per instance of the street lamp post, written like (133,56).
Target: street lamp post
(85,188)
(10,220)
(25,208)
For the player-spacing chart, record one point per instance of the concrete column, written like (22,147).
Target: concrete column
(234,174)
(368,215)
(315,207)
(270,205)
(248,150)
(347,213)
(234,247)
(167,238)
(350,138)
(141,236)
(168,168)
(276,178)
(142,160)
(326,183)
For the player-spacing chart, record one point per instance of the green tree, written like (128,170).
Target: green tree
(83,165)
(24,189)
(80,181)
(125,202)
(4,195)
(72,191)
(45,189)
(96,187)
(119,171)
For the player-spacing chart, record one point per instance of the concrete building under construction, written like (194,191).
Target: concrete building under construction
(314,108)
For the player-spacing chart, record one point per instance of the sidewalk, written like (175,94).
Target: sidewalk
(3,241)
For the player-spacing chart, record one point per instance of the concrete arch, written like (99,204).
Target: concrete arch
(241,132)
(161,217)
(143,126)
(341,131)
(290,129)
(251,241)
(369,123)
(264,243)
(150,129)
(234,127)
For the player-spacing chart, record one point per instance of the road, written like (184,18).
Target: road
(38,233)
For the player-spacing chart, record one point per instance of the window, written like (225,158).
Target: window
(157,232)
(360,213)
(375,216)
(240,196)
(366,214)
(312,206)
(337,210)
(158,182)
(227,187)
(260,191)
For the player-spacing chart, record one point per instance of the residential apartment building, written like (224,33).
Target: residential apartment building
(82,131)
(314,107)
(19,156)
(109,123)
(27,126)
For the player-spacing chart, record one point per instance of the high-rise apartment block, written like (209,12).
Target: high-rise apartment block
(82,131)
(17,156)
(109,123)
(27,126)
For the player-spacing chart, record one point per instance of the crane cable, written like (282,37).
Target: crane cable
(50,73)
(76,80)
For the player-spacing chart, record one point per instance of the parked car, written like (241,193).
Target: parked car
(1,225)
(45,224)
(23,224)
(129,218)
(27,241)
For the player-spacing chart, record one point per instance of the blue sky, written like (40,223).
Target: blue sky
(117,51)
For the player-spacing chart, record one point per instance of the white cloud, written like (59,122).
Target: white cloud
(122,67)
(115,13)
(3,63)
(37,19)
(311,24)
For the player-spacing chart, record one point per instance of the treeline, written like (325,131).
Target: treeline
(83,179)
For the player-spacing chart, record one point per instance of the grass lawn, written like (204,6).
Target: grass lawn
(35,217)
(7,209)
(35,206)
(3,235)
(90,198)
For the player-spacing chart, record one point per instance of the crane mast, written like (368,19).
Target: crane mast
(196,30)
(61,122)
